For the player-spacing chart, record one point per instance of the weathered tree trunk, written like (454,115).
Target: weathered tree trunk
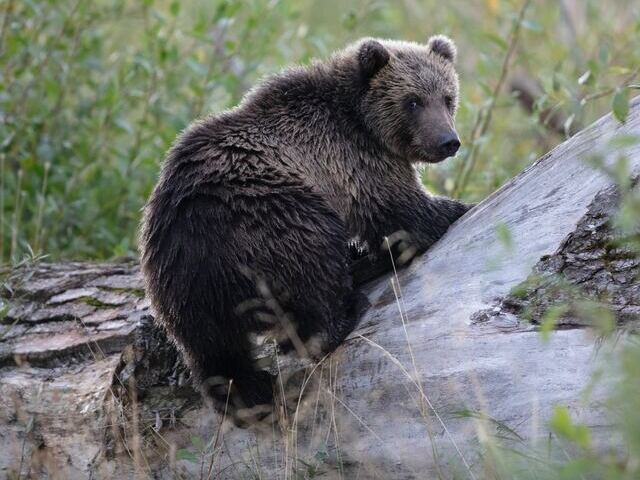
(442,361)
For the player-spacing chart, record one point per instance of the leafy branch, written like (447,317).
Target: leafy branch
(483,120)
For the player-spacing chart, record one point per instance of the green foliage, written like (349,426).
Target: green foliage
(620,104)
(573,449)
(186,454)
(93,93)
(503,235)
(564,427)
(550,319)
(199,446)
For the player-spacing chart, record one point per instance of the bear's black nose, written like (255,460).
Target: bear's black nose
(449,144)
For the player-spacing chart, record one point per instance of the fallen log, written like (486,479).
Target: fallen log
(447,357)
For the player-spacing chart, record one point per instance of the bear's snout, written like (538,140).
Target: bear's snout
(449,144)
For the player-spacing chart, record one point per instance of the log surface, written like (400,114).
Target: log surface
(90,389)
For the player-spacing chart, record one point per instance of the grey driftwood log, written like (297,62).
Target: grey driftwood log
(441,363)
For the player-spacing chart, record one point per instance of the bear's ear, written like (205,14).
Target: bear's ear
(443,46)
(372,57)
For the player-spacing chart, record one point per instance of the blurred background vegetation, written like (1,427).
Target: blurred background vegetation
(93,93)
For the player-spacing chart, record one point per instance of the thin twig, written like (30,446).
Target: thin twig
(217,437)
(609,91)
(402,306)
(482,124)
(2,193)
(5,23)
(406,373)
(41,202)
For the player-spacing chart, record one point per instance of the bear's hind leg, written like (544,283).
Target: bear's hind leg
(322,304)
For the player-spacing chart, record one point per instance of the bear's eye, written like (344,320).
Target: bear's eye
(448,100)
(413,104)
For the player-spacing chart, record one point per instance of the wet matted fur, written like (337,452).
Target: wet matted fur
(247,230)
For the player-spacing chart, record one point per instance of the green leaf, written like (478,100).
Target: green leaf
(624,140)
(620,104)
(321,455)
(188,455)
(603,54)
(594,67)
(555,82)
(562,425)
(550,319)
(504,235)
(4,309)
(597,314)
(198,443)
(619,70)
(174,8)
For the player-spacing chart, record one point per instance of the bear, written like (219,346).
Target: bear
(250,228)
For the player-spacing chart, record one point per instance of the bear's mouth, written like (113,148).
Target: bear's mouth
(426,156)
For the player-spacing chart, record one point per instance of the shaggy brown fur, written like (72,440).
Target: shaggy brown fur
(249,223)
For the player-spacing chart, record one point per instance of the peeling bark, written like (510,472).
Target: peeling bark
(593,266)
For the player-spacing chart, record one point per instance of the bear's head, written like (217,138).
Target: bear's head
(410,96)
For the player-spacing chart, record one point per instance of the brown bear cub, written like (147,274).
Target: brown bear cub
(247,232)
